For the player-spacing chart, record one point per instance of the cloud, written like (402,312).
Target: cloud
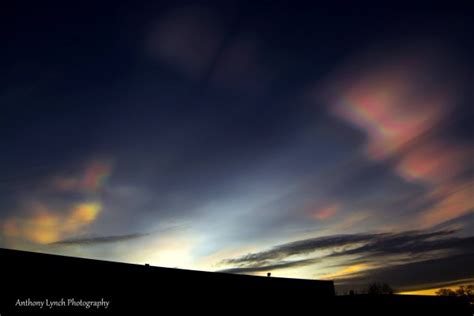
(411,243)
(326,212)
(91,179)
(187,38)
(99,240)
(240,65)
(306,246)
(433,161)
(454,201)
(271,267)
(45,225)
(404,106)
(58,206)
(439,272)
(347,271)
(387,103)
(360,251)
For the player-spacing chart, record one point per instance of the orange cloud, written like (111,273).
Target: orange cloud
(346,271)
(85,212)
(42,223)
(42,228)
(45,225)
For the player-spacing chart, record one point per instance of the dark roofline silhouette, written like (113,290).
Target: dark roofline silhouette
(131,288)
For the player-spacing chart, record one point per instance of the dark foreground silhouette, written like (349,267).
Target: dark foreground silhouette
(67,285)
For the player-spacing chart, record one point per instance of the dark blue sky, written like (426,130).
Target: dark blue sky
(212,135)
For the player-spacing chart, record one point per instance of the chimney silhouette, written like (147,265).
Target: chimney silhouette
(269,274)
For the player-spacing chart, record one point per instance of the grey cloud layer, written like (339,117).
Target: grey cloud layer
(272,267)
(99,240)
(301,247)
(418,275)
(363,246)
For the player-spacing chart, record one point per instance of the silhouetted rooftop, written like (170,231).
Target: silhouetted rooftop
(130,287)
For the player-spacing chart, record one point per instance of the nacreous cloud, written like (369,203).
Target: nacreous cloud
(404,106)
(59,207)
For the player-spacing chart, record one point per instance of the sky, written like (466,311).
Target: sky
(316,141)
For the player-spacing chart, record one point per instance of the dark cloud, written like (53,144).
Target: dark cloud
(439,272)
(271,267)
(302,247)
(99,240)
(417,245)
(409,243)
(466,223)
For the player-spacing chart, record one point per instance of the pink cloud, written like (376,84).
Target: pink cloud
(402,106)
(433,161)
(382,102)
(455,202)
(326,212)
